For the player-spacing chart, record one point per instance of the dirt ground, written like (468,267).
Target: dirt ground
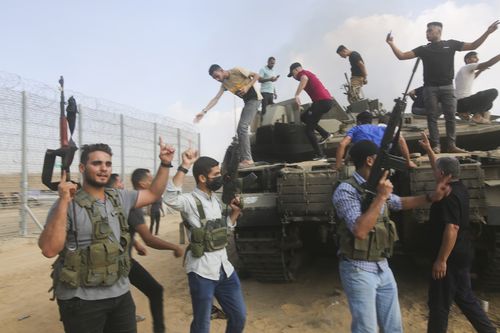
(314,303)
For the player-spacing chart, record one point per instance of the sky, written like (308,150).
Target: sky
(154,55)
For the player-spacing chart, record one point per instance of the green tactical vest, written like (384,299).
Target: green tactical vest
(212,235)
(106,259)
(379,243)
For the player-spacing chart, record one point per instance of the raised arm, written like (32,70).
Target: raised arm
(53,236)
(397,52)
(174,197)
(210,105)
(487,64)
(475,44)
(154,192)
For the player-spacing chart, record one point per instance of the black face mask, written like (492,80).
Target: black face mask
(214,184)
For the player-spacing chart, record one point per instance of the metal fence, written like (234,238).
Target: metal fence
(29,124)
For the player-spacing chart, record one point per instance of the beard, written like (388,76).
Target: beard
(92,182)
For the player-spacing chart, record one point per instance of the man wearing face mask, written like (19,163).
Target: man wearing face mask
(210,273)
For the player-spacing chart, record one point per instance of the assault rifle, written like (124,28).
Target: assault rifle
(232,184)
(68,147)
(386,160)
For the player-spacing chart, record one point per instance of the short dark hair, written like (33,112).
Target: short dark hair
(449,166)
(137,176)
(364,117)
(213,68)
(112,180)
(435,24)
(361,150)
(470,54)
(202,166)
(271,58)
(341,48)
(87,149)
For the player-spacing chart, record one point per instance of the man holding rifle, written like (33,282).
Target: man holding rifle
(438,59)
(88,229)
(366,239)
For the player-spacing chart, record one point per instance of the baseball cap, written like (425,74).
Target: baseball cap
(292,67)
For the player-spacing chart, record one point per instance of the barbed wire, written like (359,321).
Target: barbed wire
(50,97)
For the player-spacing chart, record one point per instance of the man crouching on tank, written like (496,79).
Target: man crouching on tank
(366,240)
(209,271)
(88,229)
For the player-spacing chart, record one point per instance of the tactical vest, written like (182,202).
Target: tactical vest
(379,242)
(106,259)
(211,236)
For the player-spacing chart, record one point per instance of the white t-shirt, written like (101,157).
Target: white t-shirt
(464,80)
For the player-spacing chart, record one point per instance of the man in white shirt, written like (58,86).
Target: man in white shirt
(266,79)
(477,104)
(210,273)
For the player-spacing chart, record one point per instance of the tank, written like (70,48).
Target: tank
(288,216)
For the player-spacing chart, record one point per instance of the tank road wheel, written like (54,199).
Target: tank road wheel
(490,277)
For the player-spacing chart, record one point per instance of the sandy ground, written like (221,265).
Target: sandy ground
(315,303)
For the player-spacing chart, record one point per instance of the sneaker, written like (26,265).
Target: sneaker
(436,150)
(319,158)
(455,150)
(139,318)
(323,140)
(246,164)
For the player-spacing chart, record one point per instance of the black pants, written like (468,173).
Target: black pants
(478,103)
(110,315)
(311,118)
(142,280)
(267,99)
(155,219)
(455,287)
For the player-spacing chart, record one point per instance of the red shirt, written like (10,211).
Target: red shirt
(314,88)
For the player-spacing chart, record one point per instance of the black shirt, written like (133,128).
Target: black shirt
(438,59)
(354,59)
(135,218)
(251,94)
(418,100)
(453,209)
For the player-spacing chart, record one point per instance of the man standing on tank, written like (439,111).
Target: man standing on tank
(438,60)
(358,72)
(267,88)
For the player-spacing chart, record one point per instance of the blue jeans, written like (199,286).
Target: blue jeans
(247,114)
(228,293)
(373,299)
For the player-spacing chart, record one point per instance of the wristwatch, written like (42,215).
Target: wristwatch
(165,165)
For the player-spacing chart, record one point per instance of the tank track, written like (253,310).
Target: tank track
(262,254)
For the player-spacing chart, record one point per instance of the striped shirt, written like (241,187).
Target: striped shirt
(347,202)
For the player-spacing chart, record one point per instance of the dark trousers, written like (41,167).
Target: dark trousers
(155,219)
(443,96)
(142,280)
(267,99)
(227,291)
(110,315)
(478,103)
(455,287)
(311,118)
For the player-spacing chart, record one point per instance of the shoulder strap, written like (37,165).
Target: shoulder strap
(351,181)
(113,196)
(201,212)
(83,199)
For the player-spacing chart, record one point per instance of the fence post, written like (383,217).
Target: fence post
(155,147)
(122,146)
(23,224)
(179,152)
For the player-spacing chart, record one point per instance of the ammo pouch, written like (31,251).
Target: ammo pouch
(379,242)
(212,235)
(105,260)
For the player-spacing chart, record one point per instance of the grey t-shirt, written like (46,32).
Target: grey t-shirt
(84,229)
